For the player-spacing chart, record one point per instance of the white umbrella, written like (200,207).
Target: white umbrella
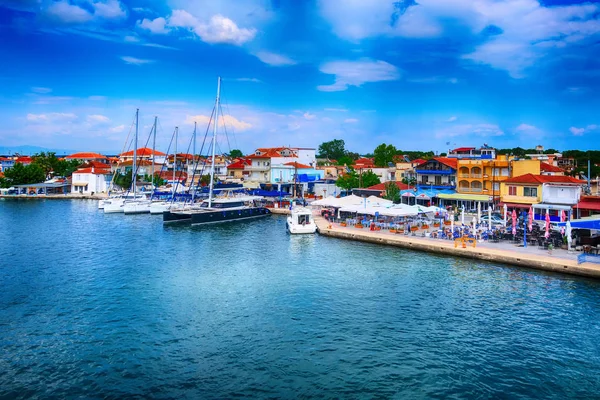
(505,214)
(478,211)
(452,223)
(569,239)
(489,218)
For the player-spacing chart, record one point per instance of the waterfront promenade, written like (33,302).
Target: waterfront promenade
(509,253)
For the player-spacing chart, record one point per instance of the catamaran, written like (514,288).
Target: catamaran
(230,207)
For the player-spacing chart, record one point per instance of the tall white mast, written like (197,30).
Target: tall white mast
(135,145)
(175,159)
(214,143)
(153,150)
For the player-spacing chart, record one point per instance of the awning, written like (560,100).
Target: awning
(583,223)
(549,206)
(588,205)
(467,197)
(80,183)
(515,205)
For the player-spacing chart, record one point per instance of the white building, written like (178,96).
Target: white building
(91,180)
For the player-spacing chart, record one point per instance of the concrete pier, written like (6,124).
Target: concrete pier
(536,261)
(69,196)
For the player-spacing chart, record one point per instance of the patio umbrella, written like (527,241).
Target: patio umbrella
(569,238)
(452,223)
(478,211)
(514,222)
(505,214)
(547,234)
(530,222)
(462,216)
(489,218)
(563,218)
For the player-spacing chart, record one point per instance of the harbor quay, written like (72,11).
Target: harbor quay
(560,261)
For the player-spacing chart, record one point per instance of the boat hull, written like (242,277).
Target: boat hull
(215,217)
(296,229)
(177,217)
(142,207)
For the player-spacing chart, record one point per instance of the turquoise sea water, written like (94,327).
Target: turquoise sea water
(114,306)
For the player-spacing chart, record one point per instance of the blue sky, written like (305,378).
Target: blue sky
(417,74)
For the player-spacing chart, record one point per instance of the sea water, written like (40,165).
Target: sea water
(113,306)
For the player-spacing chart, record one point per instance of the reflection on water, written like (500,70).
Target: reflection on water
(120,306)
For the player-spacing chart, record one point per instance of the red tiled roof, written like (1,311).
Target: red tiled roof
(181,156)
(142,152)
(240,164)
(95,164)
(549,167)
(296,164)
(464,149)
(23,159)
(364,162)
(141,163)
(267,149)
(450,162)
(418,161)
(381,186)
(97,171)
(537,179)
(85,156)
(268,154)
(113,159)
(1,174)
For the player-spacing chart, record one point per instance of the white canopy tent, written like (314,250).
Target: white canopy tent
(337,202)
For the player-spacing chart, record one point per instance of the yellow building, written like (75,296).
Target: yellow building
(482,177)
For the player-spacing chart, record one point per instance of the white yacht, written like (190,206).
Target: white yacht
(301,221)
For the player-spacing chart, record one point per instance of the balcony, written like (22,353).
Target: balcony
(476,176)
(442,186)
(435,171)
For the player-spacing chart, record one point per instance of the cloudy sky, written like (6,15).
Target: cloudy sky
(418,74)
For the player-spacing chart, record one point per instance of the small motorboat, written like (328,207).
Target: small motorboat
(301,221)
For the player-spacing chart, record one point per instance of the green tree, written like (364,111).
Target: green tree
(368,178)
(235,153)
(348,181)
(52,166)
(410,182)
(124,180)
(384,154)
(333,150)
(21,174)
(392,192)
(345,160)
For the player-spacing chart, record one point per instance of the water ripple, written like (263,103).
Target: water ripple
(108,306)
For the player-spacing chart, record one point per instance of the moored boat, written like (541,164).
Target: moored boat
(301,221)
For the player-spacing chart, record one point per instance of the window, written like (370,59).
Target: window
(530,191)
(496,185)
(512,190)
(438,180)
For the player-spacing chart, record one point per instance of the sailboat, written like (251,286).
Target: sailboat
(117,205)
(159,207)
(218,209)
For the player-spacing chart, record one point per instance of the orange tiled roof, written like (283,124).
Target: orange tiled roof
(549,167)
(141,163)
(85,156)
(381,186)
(450,162)
(537,179)
(239,164)
(97,171)
(296,164)
(142,152)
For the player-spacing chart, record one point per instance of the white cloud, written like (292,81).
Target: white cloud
(68,13)
(135,61)
(156,26)
(577,131)
(248,80)
(581,131)
(276,60)
(525,30)
(117,129)
(41,90)
(336,109)
(452,119)
(227,120)
(110,9)
(479,130)
(308,115)
(97,118)
(41,118)
(350,120)
(131,39)
(356,73)
(218,29)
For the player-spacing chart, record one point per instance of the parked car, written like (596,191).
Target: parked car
(495,220)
